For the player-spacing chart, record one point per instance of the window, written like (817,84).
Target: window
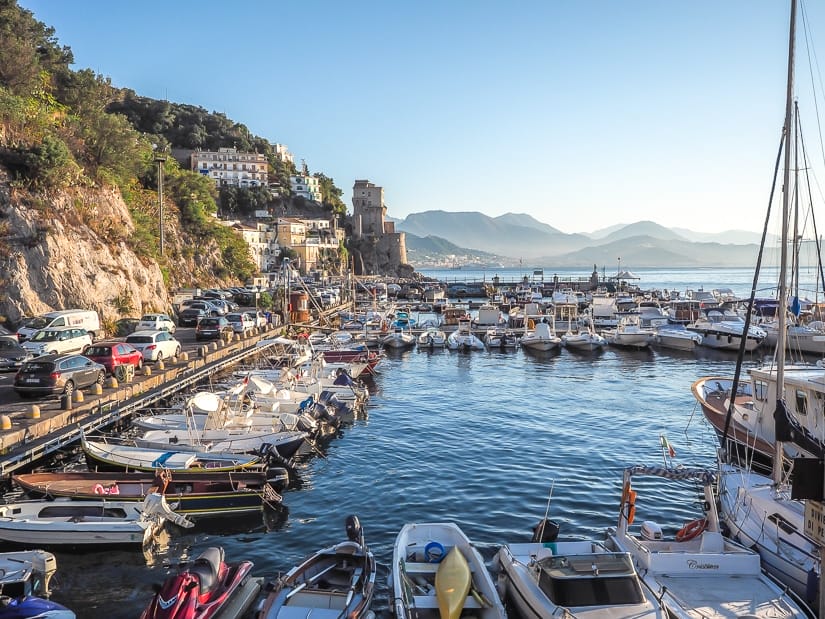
(761,391)
(801,402)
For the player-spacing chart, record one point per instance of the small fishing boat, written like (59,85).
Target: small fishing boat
(541,338)
(332,583)
(399,339)
(547,577)
(437,573)
(195,494)
(100,523)
(463,339)
(25,577)
(207,588)
(433,337)
(106,456)
(500,338)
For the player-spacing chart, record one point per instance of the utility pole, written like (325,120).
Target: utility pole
(160,159)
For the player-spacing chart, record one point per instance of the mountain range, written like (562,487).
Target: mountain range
(441,238)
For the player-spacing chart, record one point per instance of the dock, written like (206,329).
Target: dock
(31,432)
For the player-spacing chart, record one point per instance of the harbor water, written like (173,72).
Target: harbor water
(476,438)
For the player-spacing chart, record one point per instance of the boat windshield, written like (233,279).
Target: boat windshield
(604,579)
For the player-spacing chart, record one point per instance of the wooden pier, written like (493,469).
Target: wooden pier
(46,427)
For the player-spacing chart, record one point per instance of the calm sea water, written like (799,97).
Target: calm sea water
(476,438)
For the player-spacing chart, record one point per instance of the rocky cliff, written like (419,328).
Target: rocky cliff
(74,249)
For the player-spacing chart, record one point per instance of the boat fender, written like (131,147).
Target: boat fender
(434,552)
(691,529)
(99,489)
(631,507)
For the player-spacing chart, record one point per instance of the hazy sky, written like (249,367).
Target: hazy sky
(582,113)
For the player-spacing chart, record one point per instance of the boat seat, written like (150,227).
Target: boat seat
(431,601)
(712,541)
(206,567)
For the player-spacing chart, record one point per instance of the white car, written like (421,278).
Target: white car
(155,345)
(58,340)
(156,322)
(260,319)
(241,322)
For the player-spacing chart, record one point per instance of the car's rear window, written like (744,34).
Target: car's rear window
(99,351)
(209,322)
(139,339)
(38,366)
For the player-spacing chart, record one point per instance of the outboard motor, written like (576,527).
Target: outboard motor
(546,531)
(353,527)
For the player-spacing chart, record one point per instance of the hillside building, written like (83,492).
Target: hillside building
(228,167)
(306,186)
(262,240)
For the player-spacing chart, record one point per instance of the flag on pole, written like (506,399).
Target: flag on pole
(666,445)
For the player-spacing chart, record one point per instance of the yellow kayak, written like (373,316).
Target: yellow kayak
(452,584)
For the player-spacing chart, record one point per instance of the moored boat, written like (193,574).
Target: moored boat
(332,583)
(25,578)
(465,586)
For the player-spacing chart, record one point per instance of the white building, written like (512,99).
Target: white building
(262,240)
(282,153)
(306,186)
(228,167)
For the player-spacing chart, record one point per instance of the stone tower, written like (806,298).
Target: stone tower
(368,209)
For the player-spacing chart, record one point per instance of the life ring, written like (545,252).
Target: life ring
(99,489)
(691,529)
(434,552)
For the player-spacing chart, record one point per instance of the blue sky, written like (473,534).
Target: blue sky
(583,114)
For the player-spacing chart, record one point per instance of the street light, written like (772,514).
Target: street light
(285,265)
(160,159)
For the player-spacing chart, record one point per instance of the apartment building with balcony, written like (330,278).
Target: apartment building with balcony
(228,167)
(262,240)
(305,186)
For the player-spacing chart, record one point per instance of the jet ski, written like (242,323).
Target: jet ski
(206,588)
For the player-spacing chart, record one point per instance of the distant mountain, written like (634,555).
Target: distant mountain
(642,228)
(433,251)
(495,235)
(513,237)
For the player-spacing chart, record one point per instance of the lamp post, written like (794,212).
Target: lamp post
(160,159)
(285,265)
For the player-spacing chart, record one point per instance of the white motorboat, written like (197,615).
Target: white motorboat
(334,582)
(432,337)
(500,338)
(398,339)
(67,522)
(695,571)
(574,578)
(724,330)
(629,333)
(584,339)
(463,339)
(438,573)
(676,337)
(285,443)
(540,338)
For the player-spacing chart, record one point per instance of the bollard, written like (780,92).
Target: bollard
(201,351)
(34,412)
(97,389)
(214,346)
(184,356)
(77,396)
(5,422)
(66,402)
(147,371)
(160,365)
(113,383)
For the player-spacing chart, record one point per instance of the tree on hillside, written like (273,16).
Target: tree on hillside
(330,194)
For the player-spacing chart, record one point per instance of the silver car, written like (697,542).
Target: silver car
(155,345)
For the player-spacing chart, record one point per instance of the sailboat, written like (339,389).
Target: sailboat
(758,509)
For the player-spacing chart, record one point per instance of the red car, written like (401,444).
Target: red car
(112,354)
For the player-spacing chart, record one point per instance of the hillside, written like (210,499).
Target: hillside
(434,252)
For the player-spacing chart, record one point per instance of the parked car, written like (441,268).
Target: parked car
(193,314)
(112,354)
(125,326)
(50,374)
(221,306)
(156,322)
(155,345)
(82,319)
(58,340)
(241,322)
(213,328)
(12,354)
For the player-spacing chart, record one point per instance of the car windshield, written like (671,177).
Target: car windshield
(149,318)
(46,336)
(38,322)
(139,339)
(209,322)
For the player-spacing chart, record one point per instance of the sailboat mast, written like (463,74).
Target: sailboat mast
(783,260)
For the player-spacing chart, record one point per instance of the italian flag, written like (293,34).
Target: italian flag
(665,445)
